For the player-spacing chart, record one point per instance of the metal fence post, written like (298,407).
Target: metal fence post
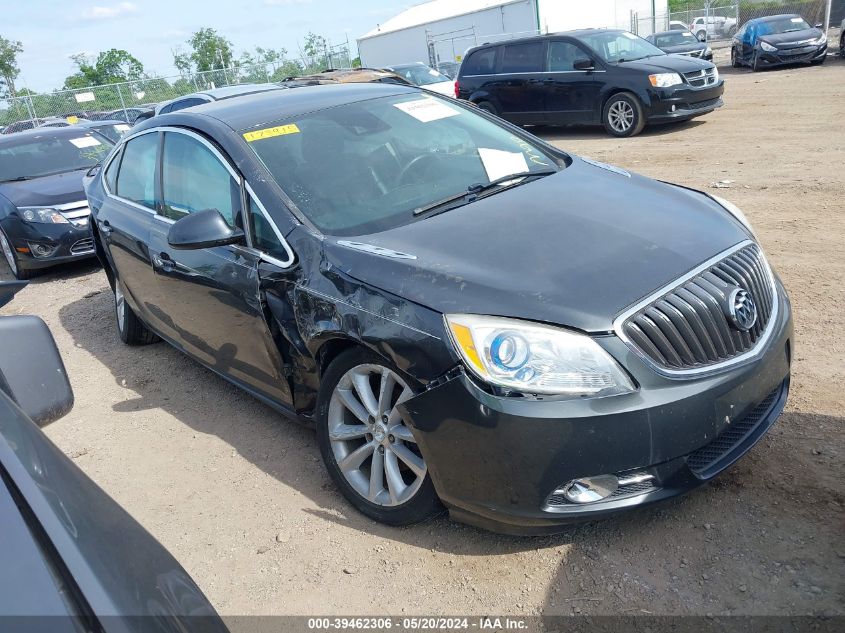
(122,103)
(827,10)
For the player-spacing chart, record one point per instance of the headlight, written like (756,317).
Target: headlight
(708,51)
(665,80)
(767,47)
(532,358)
(821,41)
(735,211)
(42,215)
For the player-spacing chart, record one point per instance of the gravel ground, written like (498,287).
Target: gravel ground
(240,497)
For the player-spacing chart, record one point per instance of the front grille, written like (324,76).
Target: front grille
(85,245)
(688,328)
(709,460)
(78,215)
(702,78)
(703,104)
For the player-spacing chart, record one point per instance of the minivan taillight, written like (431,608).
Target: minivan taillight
(457,90)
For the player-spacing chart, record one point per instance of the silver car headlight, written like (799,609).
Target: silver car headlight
(767,47)
(822,40)
(535,359)
(665,80)
(735,211)
(41,215)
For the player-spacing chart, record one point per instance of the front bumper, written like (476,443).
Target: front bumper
(67,242)
(787,56)
(684,102)
(495,460)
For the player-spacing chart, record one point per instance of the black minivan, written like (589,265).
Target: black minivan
(591,76)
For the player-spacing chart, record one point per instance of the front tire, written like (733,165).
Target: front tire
(755,64)
(367,448)
(734,60)
(12,259)
(622,115)
(131,329)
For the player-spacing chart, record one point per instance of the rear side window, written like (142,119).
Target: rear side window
(523,58)
(136,179)
(194,179)
(481,62)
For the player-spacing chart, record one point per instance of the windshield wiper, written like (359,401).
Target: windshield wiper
(15,179)
(473,192)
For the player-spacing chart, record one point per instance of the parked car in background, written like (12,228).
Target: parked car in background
(426,77)
(112,130)
(207,96)
(450,69)
(778,40)
(713,26)
(128,115)
(591,76)
(20,126)
(345,76)
(842,40)
(43,211)
(679,42)
(571,360)
(677,25)
(71,555)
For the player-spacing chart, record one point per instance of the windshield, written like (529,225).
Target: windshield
(420,75)
(368,166)
(33,156)
(674,38)
(619,46)
(782,25)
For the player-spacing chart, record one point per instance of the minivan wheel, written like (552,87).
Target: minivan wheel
(130,328)
(12,259)
(487,107)
(367,448)
(623,115)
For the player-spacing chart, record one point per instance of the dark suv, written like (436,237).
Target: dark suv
(592,76)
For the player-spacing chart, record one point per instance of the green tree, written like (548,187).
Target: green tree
(9,70)
(109,67)
(314,50)
(209,51)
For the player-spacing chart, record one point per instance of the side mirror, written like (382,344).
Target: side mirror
(818,26)
(585,63)
(203,229)
(31,370)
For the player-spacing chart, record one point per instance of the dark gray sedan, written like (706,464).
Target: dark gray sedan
(681,42)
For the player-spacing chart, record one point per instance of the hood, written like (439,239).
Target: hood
(664,63)
(45,191)
(572,249)
(684,48)
(802,37)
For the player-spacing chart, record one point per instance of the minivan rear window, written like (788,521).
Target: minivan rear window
(481,62)
(523,58)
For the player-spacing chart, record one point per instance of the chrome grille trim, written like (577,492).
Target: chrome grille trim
(702,78)
(769,299)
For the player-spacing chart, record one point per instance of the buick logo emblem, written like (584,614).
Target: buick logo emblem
(741,310)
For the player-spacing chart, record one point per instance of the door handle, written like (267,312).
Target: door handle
(164,261)
(105,227)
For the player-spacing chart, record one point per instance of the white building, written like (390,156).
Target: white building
(442,30)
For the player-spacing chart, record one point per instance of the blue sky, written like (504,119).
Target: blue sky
(53,29)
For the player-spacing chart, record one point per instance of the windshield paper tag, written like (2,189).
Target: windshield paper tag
(630,36)
(270,132)
(499,164)
(121,127)
(85,141)
(797,20)
(427,110)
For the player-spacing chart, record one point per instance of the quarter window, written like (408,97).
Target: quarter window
(264,238)
(111,173)
(136,179)
(480,63)
(562,56)
(523,58)
(194,179)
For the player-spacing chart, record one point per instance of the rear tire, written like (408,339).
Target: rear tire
(11,259)
(130,328)
(488,107)
(622,115)
(368,450)
(842,45)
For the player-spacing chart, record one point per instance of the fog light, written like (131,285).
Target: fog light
(590,489)
(41,250)
(673,108)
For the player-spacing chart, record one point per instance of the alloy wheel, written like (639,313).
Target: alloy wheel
(620,115)
(119,307)
(8,254)
(373,448)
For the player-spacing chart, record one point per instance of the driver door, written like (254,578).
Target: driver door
(210,296)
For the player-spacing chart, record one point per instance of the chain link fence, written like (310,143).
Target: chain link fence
(719,20)
(446,50)
(123,101)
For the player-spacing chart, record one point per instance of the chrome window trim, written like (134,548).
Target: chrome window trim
(281,238)
(539,72)
(709,370)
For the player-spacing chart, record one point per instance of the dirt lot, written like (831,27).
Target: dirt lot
(240,496)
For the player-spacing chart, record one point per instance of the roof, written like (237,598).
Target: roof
(432,12)
(772,18)
(277,105)
(234,91)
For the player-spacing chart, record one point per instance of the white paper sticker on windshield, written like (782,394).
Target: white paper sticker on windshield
(499,164)
(797,20)
(630,36)
(84,141)
(433,72)
(427,110)
(687,35)
(121,127)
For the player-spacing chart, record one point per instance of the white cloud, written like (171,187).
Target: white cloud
(109,13)
(278,3)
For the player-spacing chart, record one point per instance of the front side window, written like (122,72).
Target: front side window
(194,179)
(562,56)
(523,58)
(136,178)
(619,46)
(50,153)
(368,166)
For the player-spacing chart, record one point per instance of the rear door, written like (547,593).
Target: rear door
(125,217)
(572,96)
(210,297)
(520,81)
